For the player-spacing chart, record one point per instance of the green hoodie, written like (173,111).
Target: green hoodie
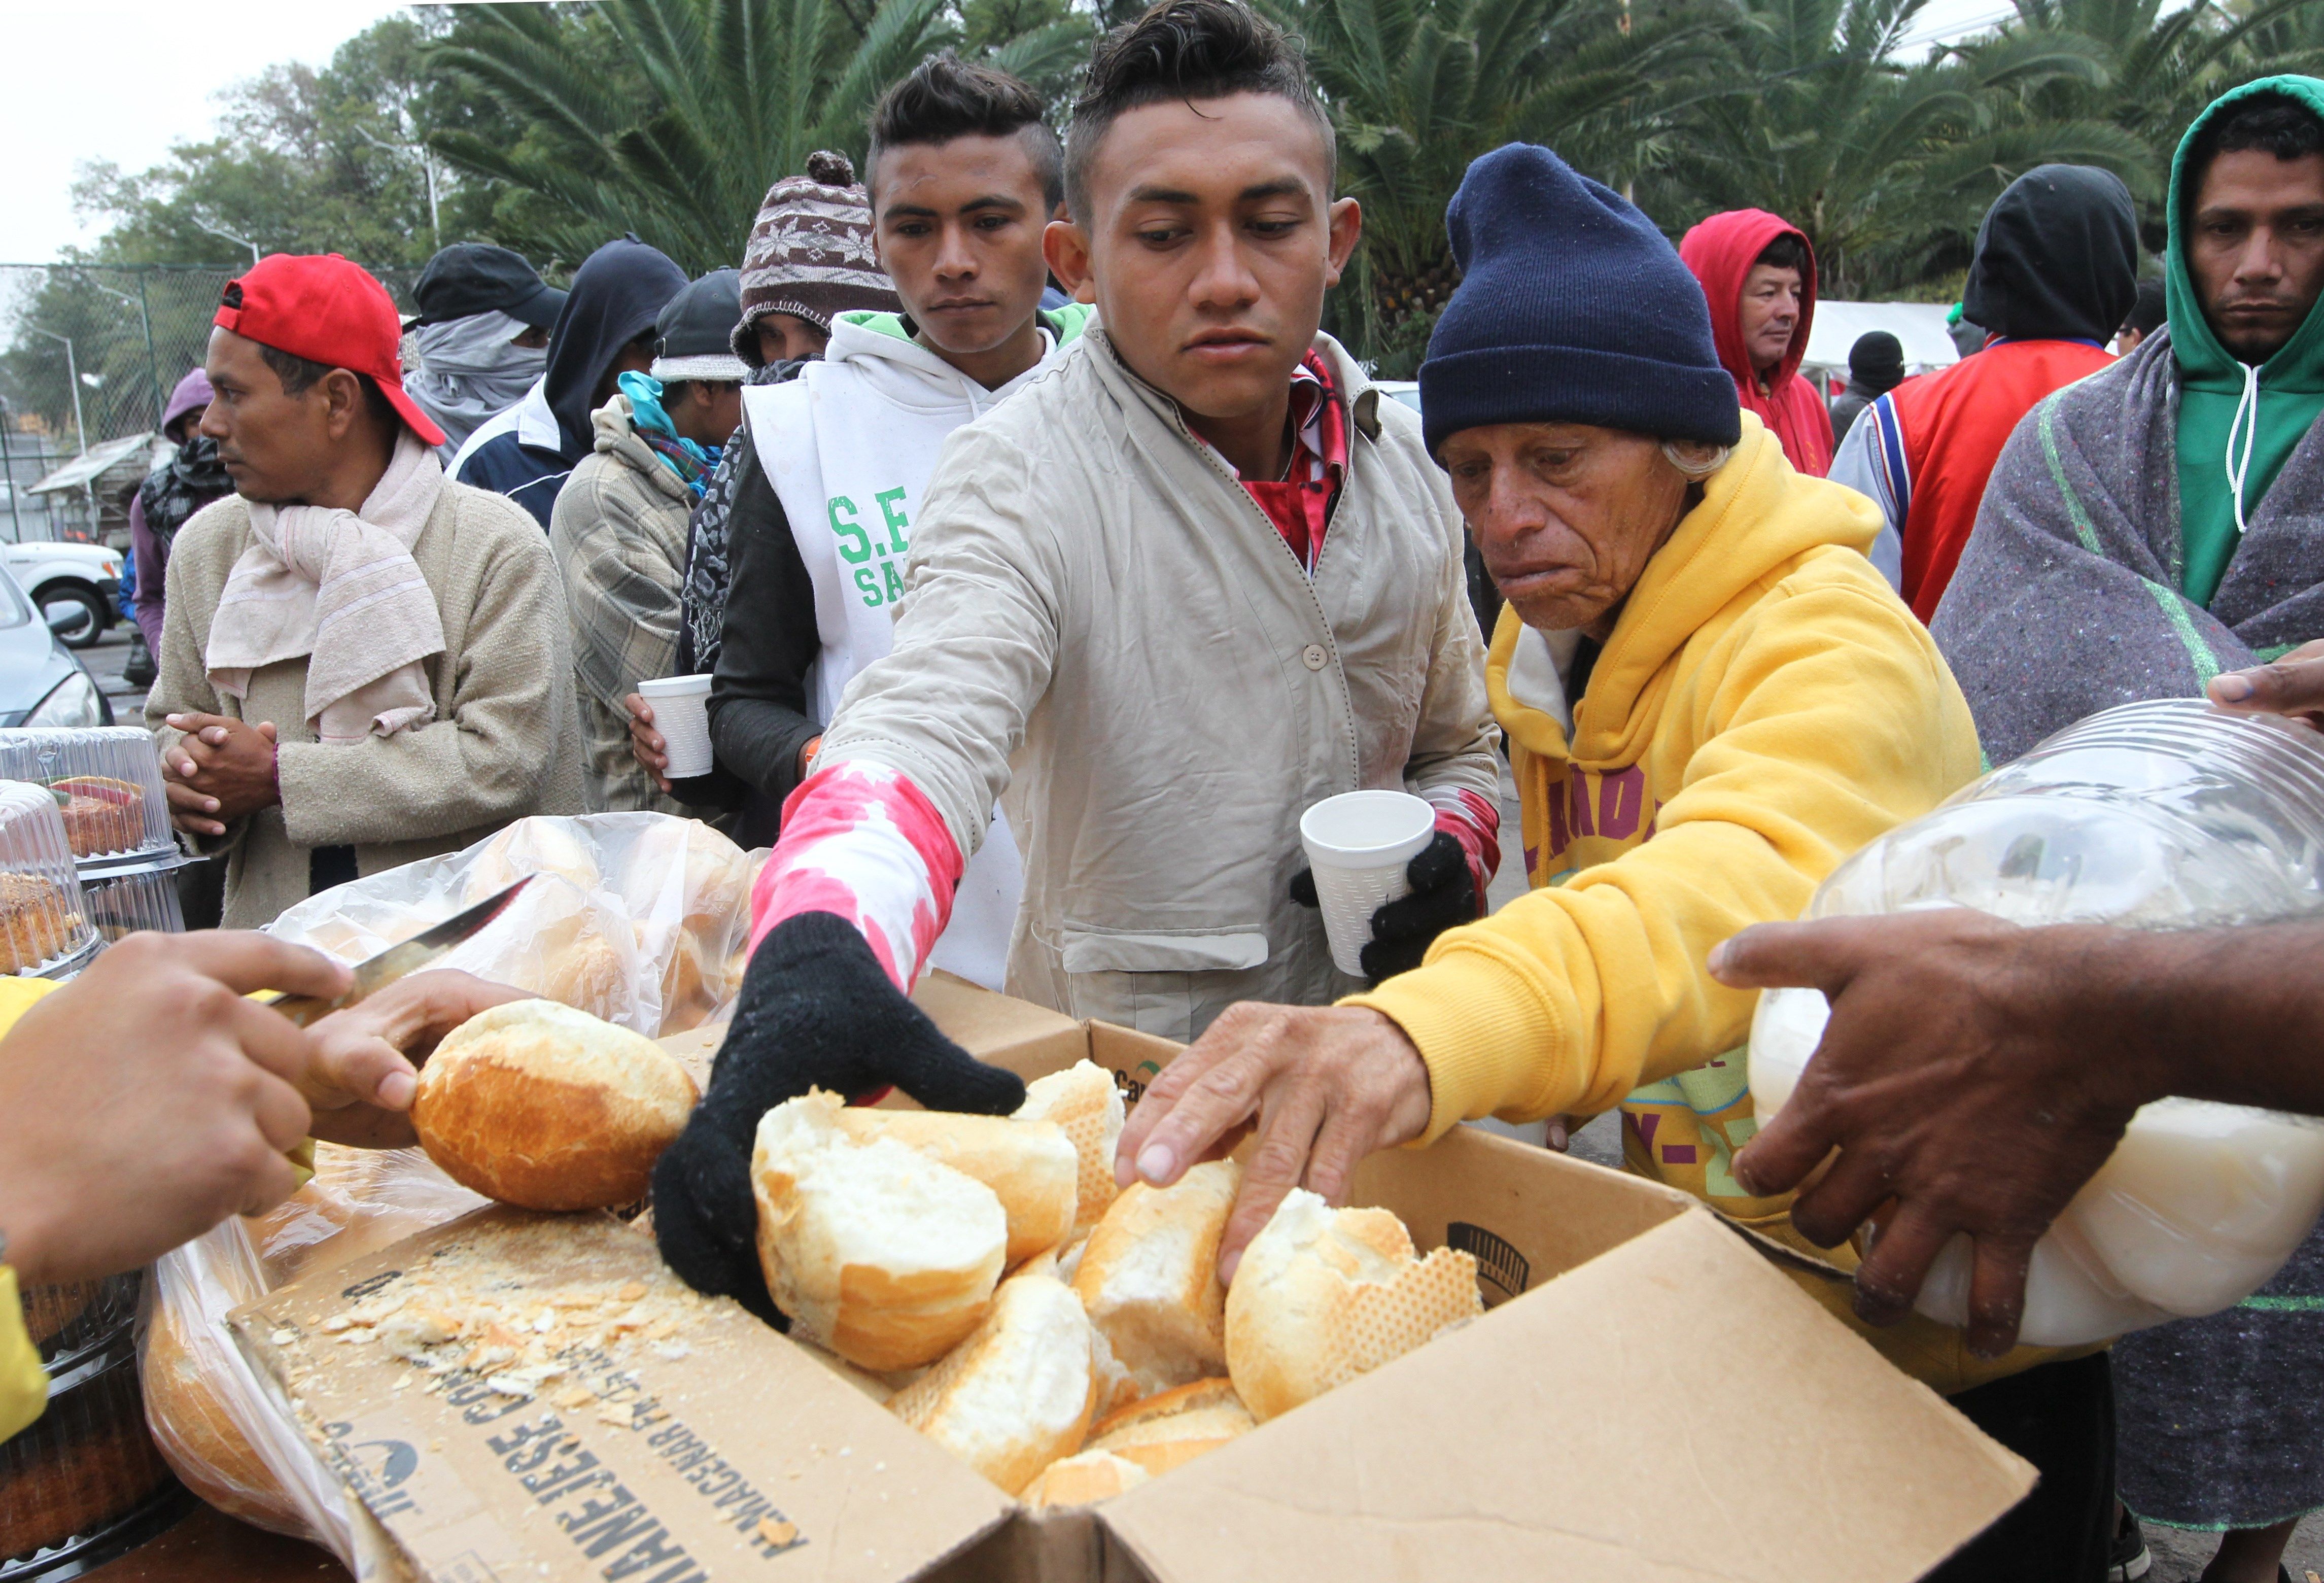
(2213,386)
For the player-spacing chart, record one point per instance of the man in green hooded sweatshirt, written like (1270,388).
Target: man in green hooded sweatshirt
(2146,529)
(2096,576)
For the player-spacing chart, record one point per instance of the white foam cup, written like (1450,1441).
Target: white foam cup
(681,709)
(1358,845)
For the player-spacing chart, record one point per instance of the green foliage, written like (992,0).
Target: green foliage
(712,101)
(1417,89)
(550,127)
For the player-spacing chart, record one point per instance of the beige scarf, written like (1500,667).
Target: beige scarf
(340,587)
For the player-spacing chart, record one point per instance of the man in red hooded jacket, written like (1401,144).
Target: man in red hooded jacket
(1758,273)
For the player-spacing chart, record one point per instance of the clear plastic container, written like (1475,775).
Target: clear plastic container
(124,900)
(108,782)
(43,922)
(2163,814)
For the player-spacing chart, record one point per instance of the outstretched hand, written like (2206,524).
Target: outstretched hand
(1960,1077)
(1324,1085)
(816,1011)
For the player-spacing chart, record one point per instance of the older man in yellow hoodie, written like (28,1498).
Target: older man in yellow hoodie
(1711,699)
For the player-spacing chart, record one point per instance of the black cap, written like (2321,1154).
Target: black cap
(476,277)
(1877,360)
(692,330)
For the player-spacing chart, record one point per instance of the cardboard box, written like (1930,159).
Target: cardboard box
(1646,1398)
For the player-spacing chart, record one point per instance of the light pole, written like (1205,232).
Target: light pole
(229,235)
(72,377)
(8,471)
(153,365)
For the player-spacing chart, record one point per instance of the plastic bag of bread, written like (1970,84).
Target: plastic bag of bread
(215,1424)
(639,919)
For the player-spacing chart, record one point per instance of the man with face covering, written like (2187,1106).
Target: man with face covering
(2056,267)
(605,330)
(483,335)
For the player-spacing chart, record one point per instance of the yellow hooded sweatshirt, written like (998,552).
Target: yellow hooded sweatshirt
(1764,705)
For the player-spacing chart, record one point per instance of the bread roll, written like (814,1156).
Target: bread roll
(704,869)
(1322,1295)
(199,1438)
(1150,1280)
(541,844)
(1082,1478)
(535,1104)
(875,1250)
(1178,1426)
(1028,1164)
(1016,1395)
(1083,1100)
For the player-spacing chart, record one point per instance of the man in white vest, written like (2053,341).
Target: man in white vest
(1186,583)
(962,175)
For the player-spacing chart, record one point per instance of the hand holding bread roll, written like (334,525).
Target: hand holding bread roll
(874,1251)
(539,1105)
(1030,1165)
(1322,1295)
(1016,1395)
(1149,1277)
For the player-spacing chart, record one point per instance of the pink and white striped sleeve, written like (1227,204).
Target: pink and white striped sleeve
(861,841)
(1474,820)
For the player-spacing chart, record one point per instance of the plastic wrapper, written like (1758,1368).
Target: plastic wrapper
(43,921)
(637,918)
(2164,814)
(218,1426)
(108,781)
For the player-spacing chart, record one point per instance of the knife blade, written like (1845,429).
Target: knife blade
(398,960)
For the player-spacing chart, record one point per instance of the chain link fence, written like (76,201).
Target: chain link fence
(88,354)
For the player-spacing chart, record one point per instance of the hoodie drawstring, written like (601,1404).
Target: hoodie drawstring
(2238,474)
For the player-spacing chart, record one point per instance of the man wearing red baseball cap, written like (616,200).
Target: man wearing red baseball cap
(362,663)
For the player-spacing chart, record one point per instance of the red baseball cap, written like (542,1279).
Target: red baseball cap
(321,308)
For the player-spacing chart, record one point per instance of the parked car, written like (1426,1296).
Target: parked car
(83,579)
(41,682)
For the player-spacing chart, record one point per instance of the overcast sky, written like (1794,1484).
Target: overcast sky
(103,79)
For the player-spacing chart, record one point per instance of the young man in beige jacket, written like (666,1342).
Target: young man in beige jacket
(362,663)
(1175,591)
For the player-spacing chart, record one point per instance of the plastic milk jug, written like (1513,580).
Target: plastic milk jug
(2166,814)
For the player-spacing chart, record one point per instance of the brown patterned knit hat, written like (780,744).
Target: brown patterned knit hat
(810,253)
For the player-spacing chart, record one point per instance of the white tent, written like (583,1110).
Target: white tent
(1920,325)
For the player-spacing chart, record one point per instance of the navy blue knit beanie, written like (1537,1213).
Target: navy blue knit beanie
(1571,308)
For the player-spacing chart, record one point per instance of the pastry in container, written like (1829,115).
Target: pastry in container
(106,781)
(43,922)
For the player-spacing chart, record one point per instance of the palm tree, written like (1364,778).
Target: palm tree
(2156,72)
(707,103)
(1885,165)
(1417,89)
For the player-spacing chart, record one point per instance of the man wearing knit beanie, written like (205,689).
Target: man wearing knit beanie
(1711,698)
(809,258)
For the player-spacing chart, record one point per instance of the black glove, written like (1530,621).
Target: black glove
(816,1011)
(1443,893)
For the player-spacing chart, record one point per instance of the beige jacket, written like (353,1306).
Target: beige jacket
(618,536)
(505,742)
(1100,622)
